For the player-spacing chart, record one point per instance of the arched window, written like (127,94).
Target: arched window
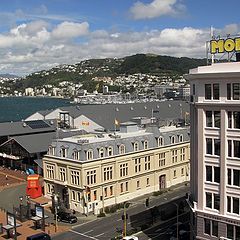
(160,141)
(51,150)
(135,146)
(145,144)
(180,138)
(76,154)
(122,149)
(101,152)
(172,139)
(89,154)
(110,151)
(63,152)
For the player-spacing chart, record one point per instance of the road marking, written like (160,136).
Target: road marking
(119,220)
(99,235)
(75,226)
(82,234)
(88,231)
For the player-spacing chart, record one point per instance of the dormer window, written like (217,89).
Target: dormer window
(101,152)
(89,154)
(180,138)
(63,152)
(135,146)
(145,144)
(76,154)
(51,150)
(110,151)
(172,139)
(121,149)
(160,141)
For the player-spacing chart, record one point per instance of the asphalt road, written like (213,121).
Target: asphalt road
(107,227)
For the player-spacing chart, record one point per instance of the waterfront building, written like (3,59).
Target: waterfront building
(93,171)
(215,151)
(23,144)
(102,116)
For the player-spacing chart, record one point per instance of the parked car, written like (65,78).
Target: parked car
(130,238)
(66,217)
(39,236)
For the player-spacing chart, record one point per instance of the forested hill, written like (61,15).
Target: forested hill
(85,71)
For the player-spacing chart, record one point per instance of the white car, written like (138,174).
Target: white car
(130,238)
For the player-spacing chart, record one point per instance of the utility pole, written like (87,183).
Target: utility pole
(177,218)
(124,220)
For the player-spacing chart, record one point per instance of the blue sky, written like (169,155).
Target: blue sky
(37,35)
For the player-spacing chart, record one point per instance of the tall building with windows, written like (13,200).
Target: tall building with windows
(215,150)
(92,171)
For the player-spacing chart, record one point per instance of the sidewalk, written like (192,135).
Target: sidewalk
(27,228)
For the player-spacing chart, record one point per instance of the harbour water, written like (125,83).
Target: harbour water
(18,108)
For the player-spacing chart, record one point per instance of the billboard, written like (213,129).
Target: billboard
(225,45)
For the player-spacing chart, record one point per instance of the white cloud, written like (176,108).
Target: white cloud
(70,30)
(156,8)
(36,45)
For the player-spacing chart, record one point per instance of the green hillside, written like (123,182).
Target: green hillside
(85,71)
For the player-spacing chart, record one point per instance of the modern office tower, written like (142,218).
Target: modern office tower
(215,151)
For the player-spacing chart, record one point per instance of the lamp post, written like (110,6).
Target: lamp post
(28,206)
(55,207)
(20,206)
(125,216)
(177,217)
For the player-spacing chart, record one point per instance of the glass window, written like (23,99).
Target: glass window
(208,200)
(236,120)
(209,173)
(110,151)
(217,147)
(229,173)
(209,145)
(217,119)
(229,148)
(236,177)
(216,201)
(160,141)
(215,228)
(207,226)
(101,152)
(229,204)
(194,90)
(216,91)
(208,91)
(135,146)
(235,205)
(230,233)
(237,232)
(229,91)
(229,119)
(236,91)
(121,149)
(209,118)
(236,145)
(217,174)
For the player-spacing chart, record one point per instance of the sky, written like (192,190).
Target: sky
(40,34)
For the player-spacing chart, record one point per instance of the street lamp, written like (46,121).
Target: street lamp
(125,217)
(28,206)
(177,217)
(55,205)
(21,204)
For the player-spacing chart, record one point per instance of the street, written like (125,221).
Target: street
(138,216)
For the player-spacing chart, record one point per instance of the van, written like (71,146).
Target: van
(39,236)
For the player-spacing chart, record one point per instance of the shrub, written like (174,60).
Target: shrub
(102,214)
